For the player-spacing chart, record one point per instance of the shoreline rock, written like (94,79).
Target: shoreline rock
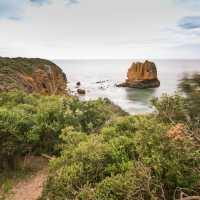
(81,91)
(78,83)
(142,76)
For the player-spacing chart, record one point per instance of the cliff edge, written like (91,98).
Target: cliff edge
(32,75)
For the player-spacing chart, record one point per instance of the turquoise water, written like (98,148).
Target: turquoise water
(88,72)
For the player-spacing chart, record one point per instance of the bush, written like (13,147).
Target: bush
(182,109)
(135,184)
(33,123)
(190,85)
(99,152)
(171,109)
(132,158)
(14,134)
(88,116)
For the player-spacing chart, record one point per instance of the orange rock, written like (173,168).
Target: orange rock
(142,71)
(142,75)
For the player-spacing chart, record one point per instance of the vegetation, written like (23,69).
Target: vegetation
(132,158)
(23,65)
(183,109)
(100,153)
(33,123)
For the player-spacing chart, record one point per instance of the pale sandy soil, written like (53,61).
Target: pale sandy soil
(31,187)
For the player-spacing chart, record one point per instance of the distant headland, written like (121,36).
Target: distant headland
(32,75)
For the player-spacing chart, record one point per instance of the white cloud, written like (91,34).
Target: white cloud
(95,29)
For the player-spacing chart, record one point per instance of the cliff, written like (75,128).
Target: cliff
(31,75)
(141,75)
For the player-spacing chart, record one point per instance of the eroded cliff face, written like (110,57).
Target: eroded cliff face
(142,75)
(142,71)
(32,75)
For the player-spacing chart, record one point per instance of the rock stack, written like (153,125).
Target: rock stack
(141,75)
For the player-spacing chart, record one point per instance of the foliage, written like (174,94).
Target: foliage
(182,109)
(170,108)
(191,88)
(33,123)
(132,158)
(103,154)
(24,65)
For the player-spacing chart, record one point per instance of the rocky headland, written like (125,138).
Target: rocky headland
(141,75)
(32,75)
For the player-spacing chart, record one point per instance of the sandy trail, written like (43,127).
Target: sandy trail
(31,187)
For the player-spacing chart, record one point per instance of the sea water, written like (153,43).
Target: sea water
(111,72)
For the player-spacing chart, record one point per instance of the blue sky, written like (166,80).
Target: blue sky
(14,8)
(100,28)
(190,22)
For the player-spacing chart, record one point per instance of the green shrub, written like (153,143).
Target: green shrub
(173,162)
(98,155)
(135,184)
(190,85)
(171,109)
(88,116)
(31,123)
(132,158)
(182,109)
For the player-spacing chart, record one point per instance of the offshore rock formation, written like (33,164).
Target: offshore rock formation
(32,75)
(142,75)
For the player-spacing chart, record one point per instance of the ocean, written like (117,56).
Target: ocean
(111,72)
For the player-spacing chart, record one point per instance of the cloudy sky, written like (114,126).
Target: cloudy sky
(82,29)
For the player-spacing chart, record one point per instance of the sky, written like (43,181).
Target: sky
(100,29)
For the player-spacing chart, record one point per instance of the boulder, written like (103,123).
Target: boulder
(81,91)
(78,83)
(141,75)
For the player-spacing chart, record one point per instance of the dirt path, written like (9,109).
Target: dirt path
(31,187)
